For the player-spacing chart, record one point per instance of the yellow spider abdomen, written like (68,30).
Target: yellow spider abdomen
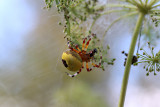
(71,60)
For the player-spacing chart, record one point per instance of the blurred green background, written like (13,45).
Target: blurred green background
(32,74)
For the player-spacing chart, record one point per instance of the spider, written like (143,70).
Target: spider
(134,59)
(74,58)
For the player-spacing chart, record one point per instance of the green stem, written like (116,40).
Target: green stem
(121,5)
(129,59)
(152,2)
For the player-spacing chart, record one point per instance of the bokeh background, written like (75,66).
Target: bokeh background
(32,74)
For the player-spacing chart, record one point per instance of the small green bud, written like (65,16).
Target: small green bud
(135,64)
(108,47)
(150,69)
(60,23)
(146,69)
(113,59)
(155,73)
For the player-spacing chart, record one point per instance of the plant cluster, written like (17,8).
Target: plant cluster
(156,18)
(76,14)
(151,62)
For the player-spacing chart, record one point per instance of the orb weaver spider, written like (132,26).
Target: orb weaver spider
(73,59)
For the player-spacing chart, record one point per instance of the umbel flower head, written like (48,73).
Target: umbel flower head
(156,18)
(152,62)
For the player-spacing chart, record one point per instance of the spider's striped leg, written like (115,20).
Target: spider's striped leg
(74,74)
(88,69)
(87,44)
(99,65)
(69,46)
(77,48)
(100,62)
(83,45)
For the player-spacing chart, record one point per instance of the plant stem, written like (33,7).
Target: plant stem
(129,59)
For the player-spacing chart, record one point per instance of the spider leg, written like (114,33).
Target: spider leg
(100,62)
(99,65)
(87,44)
(83,45)
(69,46)
(88,69)
(74,74)
(77,48)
